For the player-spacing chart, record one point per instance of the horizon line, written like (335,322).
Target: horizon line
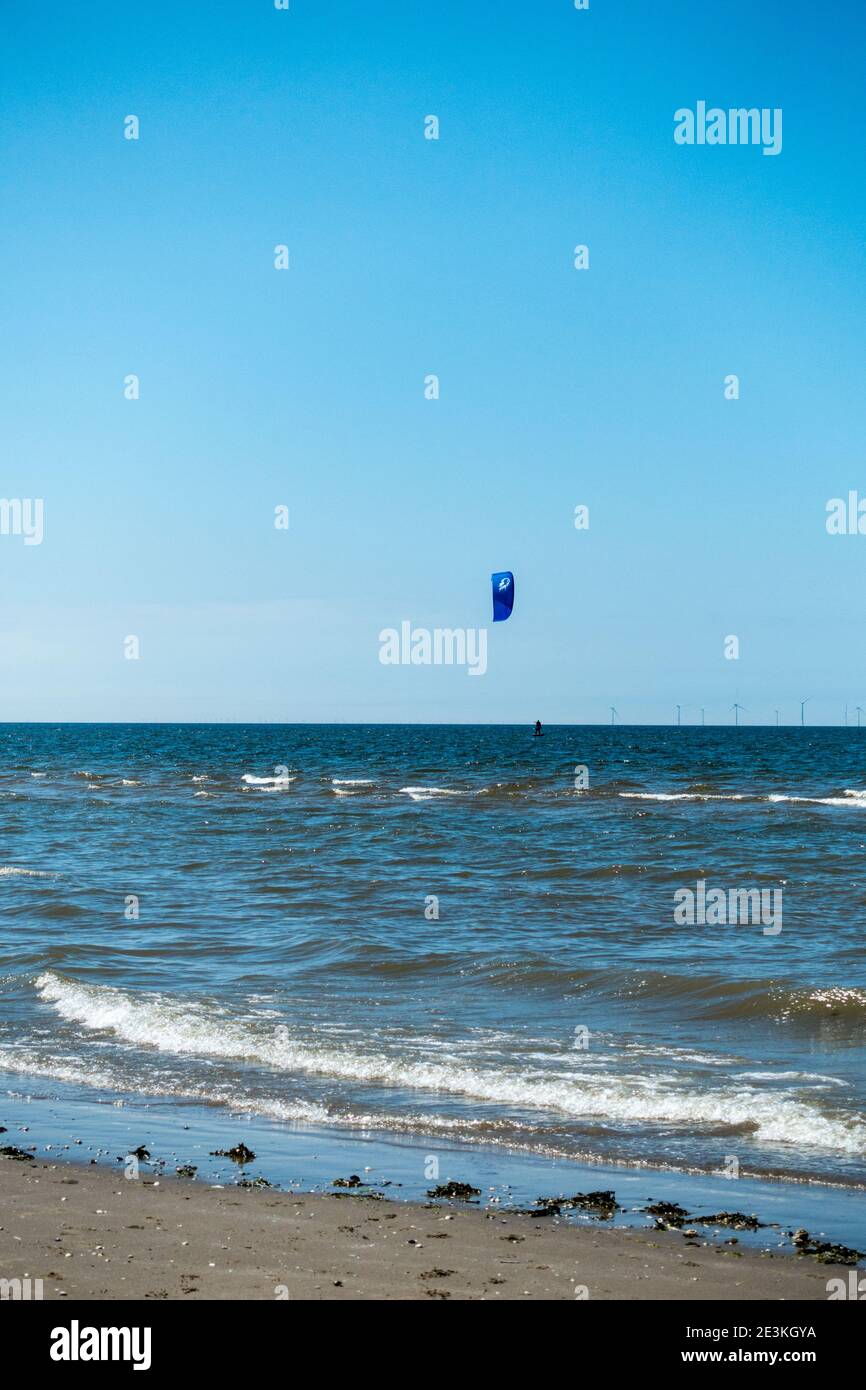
(399,723)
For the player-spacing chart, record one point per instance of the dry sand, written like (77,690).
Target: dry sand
(90,1234)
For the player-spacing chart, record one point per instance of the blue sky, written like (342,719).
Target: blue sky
(410,257)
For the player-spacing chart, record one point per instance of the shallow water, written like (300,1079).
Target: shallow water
(287,961)
(62,1125)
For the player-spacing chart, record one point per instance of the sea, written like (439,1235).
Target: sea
(414,951)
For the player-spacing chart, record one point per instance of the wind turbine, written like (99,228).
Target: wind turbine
(703,721)
(859,712)
(736,708)
(679,719)
(803,704)
(613,714)
(777,718)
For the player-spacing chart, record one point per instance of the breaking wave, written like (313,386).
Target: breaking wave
(181,1026)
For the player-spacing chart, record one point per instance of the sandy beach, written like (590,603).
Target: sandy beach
(91,1234)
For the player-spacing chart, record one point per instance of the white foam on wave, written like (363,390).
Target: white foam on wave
(428,793)
(269,784)
(659,796)
(106,1079)
(350,786)
(855,801)
(850,798)
(10,871)
(182,1026)
(684,796)
(805,1076)
(679,1054)
(286,1109)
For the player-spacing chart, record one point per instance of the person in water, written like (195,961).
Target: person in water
(537,727)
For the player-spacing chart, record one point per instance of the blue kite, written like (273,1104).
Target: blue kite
(503,595)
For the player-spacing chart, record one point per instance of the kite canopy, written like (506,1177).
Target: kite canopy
(503,595)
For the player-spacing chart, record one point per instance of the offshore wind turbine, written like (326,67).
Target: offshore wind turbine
(803,704)
(859,712)
(777,718)
(679,712)
(736,708)
(613,714)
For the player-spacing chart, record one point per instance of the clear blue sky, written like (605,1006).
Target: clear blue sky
(411,257)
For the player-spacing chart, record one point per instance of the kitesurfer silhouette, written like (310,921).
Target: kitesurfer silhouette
(537,728)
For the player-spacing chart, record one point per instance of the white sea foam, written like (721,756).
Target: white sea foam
(855,801)
(679,1054)
(10,871)
(287,1109)
(105,1079)
(790,1076)
(684,796)
(266,783)
(427,793)
(182,1026)
(659,796)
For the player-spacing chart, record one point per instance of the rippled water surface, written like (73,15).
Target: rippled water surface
(287,958)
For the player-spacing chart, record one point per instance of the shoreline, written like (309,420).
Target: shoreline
(91,1234)
(96,1134)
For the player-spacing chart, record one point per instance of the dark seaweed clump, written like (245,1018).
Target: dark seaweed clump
(10,1151)
(239,1154)
(735,1219)
(824,1251)
(601,1204)
(352,1180)
(667,1214)
(141,1153)
(461,1190)
(670,1215)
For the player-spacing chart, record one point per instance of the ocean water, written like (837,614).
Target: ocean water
(430,931)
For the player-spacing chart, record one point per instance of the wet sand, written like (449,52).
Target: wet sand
(91,1234)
